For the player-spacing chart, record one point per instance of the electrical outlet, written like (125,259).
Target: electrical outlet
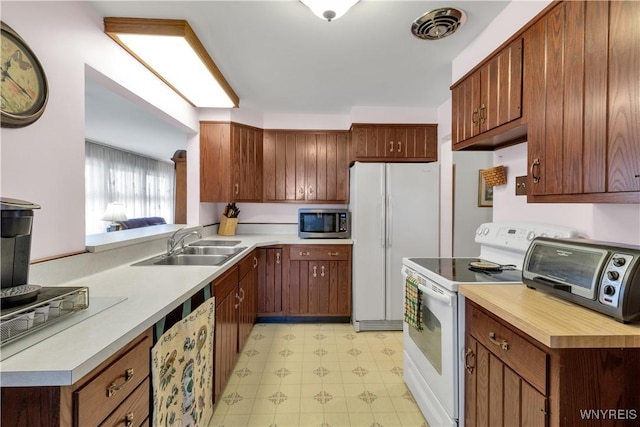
(521,185)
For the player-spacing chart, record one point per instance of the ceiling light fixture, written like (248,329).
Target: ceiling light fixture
(171,50)
(329,9)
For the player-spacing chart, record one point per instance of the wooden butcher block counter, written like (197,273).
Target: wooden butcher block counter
(546,362)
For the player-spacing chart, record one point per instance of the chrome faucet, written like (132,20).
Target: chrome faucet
(172,243)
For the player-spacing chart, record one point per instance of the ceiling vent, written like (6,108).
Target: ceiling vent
(438,23)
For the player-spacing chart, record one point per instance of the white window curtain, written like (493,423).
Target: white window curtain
(145,186)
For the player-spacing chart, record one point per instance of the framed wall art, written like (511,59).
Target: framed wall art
(485,192)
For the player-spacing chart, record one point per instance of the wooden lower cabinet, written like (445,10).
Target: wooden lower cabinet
(513,380)
(319,280)
(270,261)
(248,292)
(225,290)
(115,393)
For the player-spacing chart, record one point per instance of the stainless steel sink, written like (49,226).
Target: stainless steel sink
(182,259)
(215,243)
(195,255)
(211,250)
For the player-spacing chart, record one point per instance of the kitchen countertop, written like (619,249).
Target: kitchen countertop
(151,292)
(551,321)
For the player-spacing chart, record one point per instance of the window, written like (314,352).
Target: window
(145,186)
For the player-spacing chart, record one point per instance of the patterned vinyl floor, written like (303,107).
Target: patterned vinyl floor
(321,375)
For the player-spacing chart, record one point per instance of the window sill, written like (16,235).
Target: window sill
(117,239)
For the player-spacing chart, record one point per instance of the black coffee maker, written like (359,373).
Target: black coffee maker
(17,219)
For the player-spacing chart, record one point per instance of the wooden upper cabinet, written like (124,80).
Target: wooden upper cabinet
(582,97)
(305,166)
(391,142)
(230,162)
(487,103)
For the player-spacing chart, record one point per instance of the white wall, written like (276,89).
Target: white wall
(44,162)
(616,223)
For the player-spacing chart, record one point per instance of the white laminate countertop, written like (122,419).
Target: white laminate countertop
(151,292)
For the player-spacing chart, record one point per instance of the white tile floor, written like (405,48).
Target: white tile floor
(321,375)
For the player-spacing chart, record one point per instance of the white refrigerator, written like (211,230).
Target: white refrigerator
(394,214)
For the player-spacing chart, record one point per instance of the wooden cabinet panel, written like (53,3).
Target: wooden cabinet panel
(319,280)
(230,162)
(248,291)
(309,166)
(488,98)
(583,104)
(391,142)
(624,97)
(134,411)
(225,290)
(270,295)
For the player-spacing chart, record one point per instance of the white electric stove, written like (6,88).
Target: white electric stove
(433,366)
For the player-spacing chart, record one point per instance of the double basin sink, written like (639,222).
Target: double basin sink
(204,253)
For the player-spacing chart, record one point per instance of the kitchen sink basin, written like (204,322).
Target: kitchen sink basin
(215,243)
(182,259)
(196,255)
(211,250)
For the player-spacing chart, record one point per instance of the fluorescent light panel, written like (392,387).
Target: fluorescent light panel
(171,50)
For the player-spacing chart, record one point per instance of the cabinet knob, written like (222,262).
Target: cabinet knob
(535,165)
(114,387)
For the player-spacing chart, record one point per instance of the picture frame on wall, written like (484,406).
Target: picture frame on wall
(485,192)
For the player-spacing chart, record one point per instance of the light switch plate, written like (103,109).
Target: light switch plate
(521,185)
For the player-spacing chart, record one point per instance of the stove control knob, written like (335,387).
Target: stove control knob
(612,275)
(531,235)
(609,290)
(619,261)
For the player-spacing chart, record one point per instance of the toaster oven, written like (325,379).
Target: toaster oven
(602,276)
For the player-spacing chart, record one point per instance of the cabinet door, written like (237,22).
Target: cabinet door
(215,162)
(279,161)
(495,395)
(418,142)
(247,289)
(246,145)
(624,97)
(226,341)
(327,167)
(368,142)
(270,281)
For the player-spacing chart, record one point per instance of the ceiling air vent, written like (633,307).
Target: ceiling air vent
(438,23)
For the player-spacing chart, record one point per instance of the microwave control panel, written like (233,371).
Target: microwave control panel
(612,278)
(343,222)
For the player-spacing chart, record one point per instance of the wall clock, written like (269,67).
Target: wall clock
(23,84)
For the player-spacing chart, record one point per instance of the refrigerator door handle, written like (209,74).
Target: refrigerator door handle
(390,223)
(381,221)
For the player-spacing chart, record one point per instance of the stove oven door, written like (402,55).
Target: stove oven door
(430,369)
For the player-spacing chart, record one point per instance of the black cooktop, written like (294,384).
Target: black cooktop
(459,270)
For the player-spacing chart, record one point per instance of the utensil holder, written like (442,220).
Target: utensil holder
(227,226)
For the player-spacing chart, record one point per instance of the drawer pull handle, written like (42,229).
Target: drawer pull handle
(303,253)
(469,356)
(277,257)
(128,420)
(322,271)
(237,189)
(535,165)
(502,344)
(255,262)
(315,271)
(399,146)
(391,146)
(114,387)
(334,253)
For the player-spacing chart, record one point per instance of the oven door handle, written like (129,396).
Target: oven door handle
(445,299)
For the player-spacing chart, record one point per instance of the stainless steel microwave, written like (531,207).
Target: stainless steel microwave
(324,223)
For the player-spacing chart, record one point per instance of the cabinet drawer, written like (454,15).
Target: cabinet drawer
(99,397)
(523,357)
(247,264)
(133,411)
(225,284)
(320,252)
